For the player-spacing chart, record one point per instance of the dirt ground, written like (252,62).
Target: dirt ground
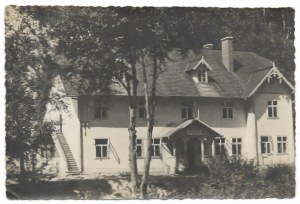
(98,186)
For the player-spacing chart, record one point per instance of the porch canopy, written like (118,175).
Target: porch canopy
(192,127)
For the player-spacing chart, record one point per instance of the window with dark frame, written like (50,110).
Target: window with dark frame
(101,111)
(142,110)
(187,110)
(202,75)
(155,148)
(236,146)
(101,148)
(220,146)
(281,144)
(139,147)
(227,109)
(272,109)
(265,145)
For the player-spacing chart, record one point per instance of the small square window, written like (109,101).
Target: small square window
(265,144)
(281,144)
(272,109)
(101,111)
(155,149)
(101,148)
(220,146)
(228,109)
(236,146)
(187,110)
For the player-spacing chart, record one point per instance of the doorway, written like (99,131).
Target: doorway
(193,148)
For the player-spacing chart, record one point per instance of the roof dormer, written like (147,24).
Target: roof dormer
(198,70)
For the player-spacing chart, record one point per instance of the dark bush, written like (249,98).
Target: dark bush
(280,173)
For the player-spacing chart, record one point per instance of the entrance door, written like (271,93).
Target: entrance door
(192,147)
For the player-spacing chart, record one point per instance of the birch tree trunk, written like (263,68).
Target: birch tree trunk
(132,136)
(150,110)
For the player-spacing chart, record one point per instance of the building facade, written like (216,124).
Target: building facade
(208,103)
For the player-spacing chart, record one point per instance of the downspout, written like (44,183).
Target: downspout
(81,148)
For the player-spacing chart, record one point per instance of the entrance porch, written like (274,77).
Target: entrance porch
(191,145)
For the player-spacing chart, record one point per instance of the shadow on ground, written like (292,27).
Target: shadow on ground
(72,189)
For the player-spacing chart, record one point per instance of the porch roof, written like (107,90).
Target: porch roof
(187,123)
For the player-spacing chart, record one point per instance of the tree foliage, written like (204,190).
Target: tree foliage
(29,72)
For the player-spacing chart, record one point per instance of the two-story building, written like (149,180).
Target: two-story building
(207,103)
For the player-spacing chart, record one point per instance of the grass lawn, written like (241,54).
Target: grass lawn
(162,187)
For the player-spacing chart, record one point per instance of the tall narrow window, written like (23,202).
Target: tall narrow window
(272,109)
(281,145)
(187,110)
(236,146)
(101,148)
(139,147)
(220,146)
(142,110)
(265,144)
(227,109)
(155,149)
(101,111)
(202,75)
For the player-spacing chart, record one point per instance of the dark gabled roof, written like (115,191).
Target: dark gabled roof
(176,81)
(187,123)
(254,79)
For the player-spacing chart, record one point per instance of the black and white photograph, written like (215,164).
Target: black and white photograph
(135,103)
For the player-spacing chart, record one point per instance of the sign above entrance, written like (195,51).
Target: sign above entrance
(193,131)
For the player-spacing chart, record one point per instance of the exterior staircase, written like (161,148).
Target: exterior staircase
(71,163)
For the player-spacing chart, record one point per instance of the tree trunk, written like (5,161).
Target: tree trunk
(131,130)
(150,110)
(147,160)
(132,148)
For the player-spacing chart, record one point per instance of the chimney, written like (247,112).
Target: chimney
(227,55)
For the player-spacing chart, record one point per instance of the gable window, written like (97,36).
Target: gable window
(187,110)
(101,148)
(236,146)
(265,143)
(101,111)
(281,145)
(139,147)
(202,75)
(227,109)
(220,146)
(142,110)
(272,109)
(155,149)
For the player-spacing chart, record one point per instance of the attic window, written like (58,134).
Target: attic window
(202,75)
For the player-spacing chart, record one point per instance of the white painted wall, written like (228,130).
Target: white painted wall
(71,124)
(281,126)
(168,115)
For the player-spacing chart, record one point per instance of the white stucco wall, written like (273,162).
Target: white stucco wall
(168,115)
(280,126)
(71,124)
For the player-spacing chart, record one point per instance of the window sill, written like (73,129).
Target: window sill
(101,158)
(282,154)
(273,118)
(156,157)
(139,157)
(267,155)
